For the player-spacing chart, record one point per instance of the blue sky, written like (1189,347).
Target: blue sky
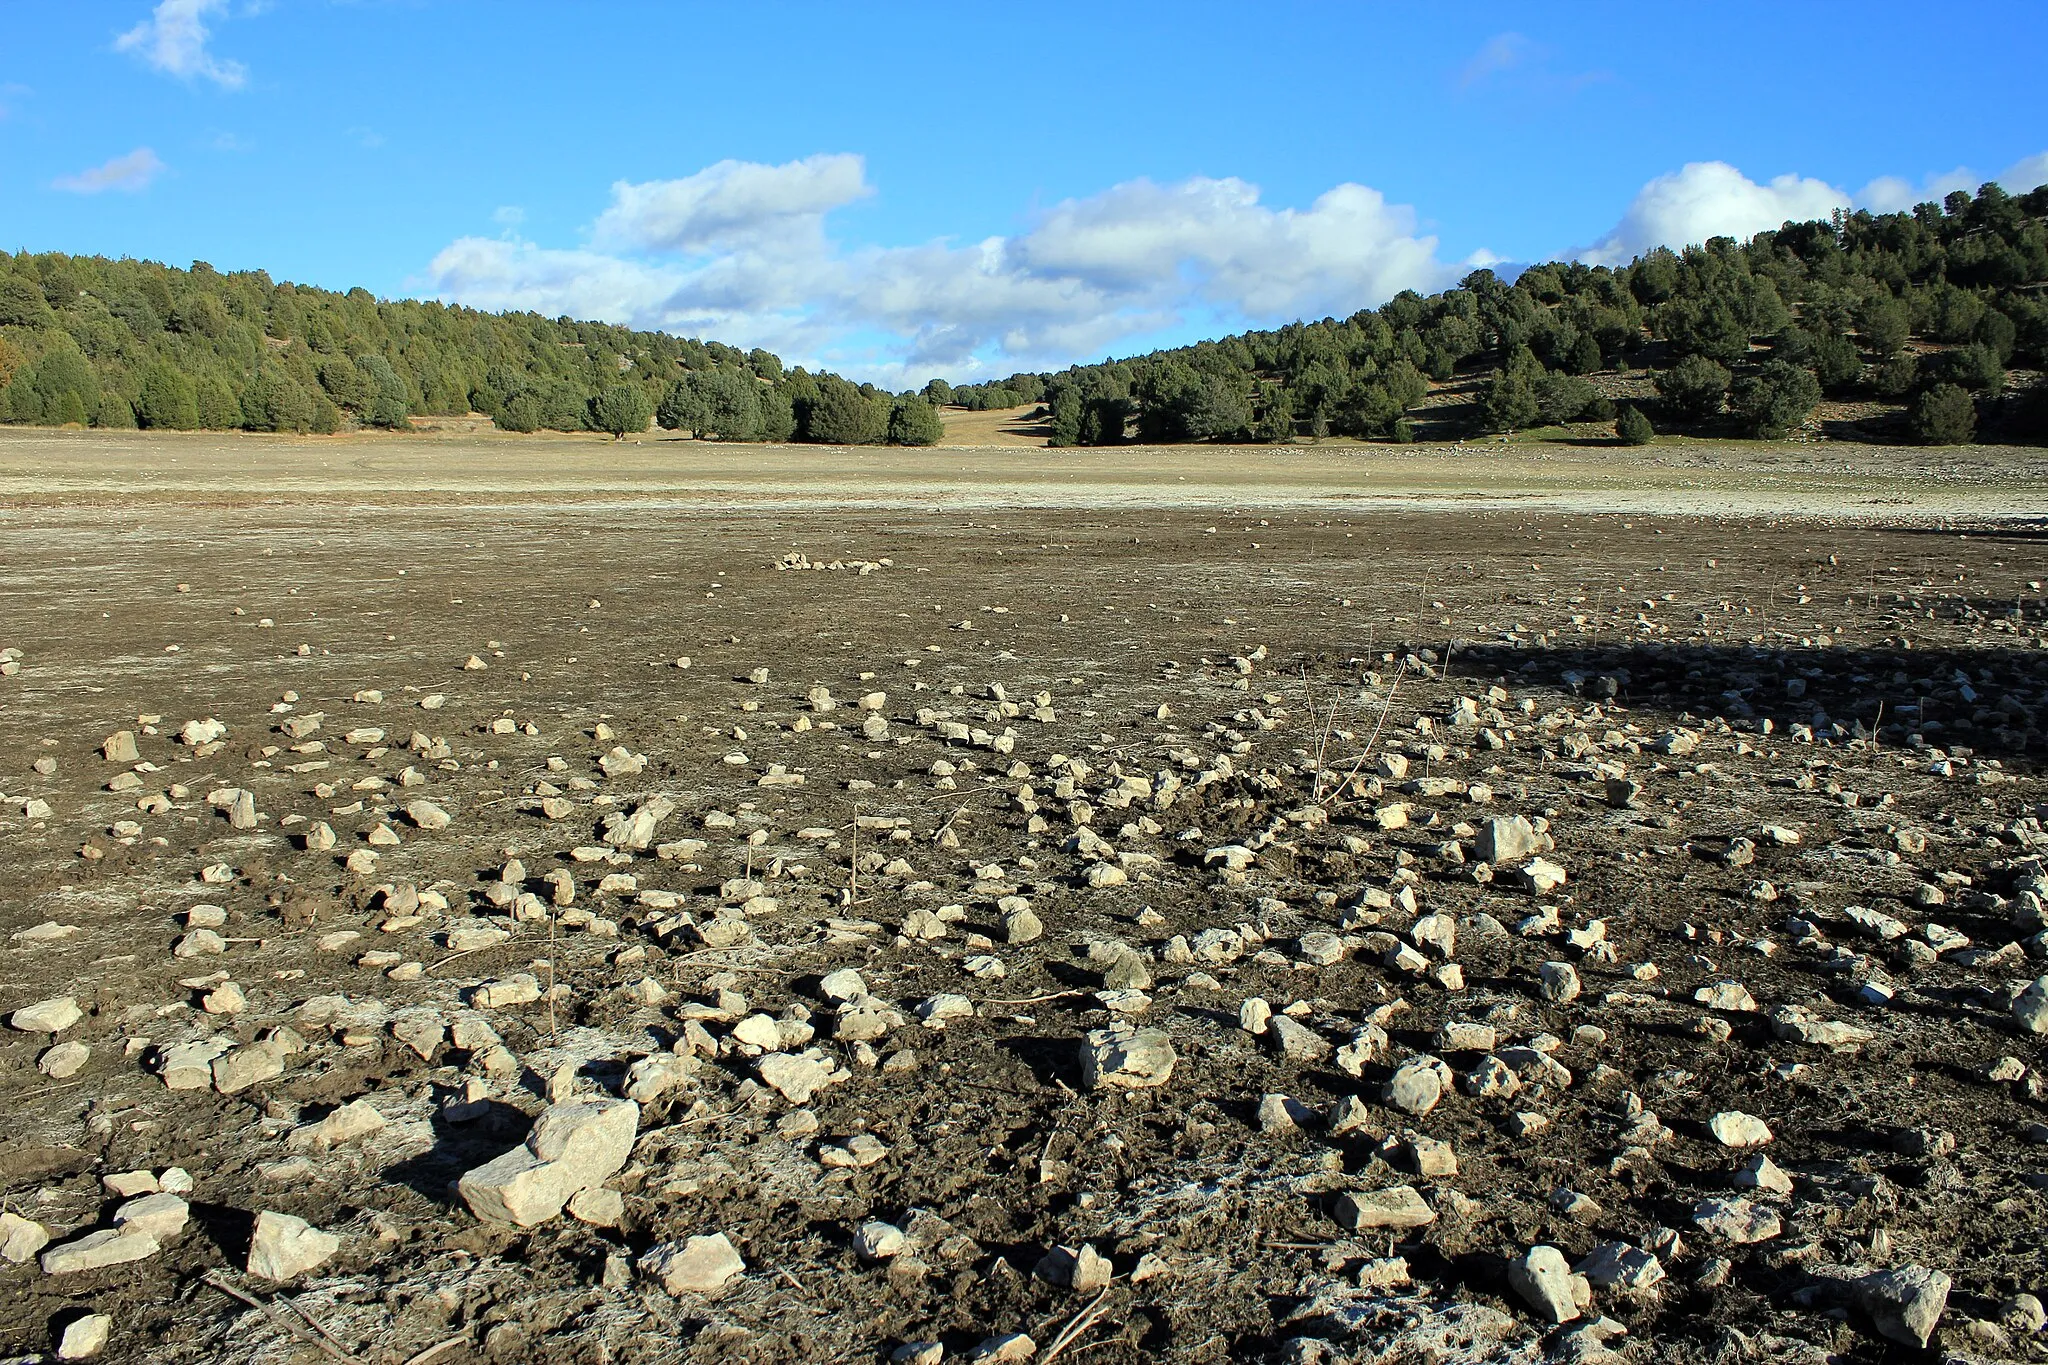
(900,190)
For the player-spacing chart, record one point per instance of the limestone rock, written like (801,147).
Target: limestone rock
(284,1247)
(572,1147)
(161,1215)
(2030,1009)
(1733,1128)
(47,1016)
(21,1238)
(83,1338)
(1398,1207)
(1126,1058)
(1904,1304)
(1738,1220)
(697,1265)
(98,1250)
(1544,1280)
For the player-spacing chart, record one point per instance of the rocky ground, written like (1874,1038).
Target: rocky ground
(458,933)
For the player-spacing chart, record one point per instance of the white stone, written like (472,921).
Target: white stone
(1733,1128)
(98,1250)
(699,1265)
(1126,1058)
(162,1216)
(85,1337)
(1544,1280)
(21,1238)
(572,1147)
(284,1247)
(47,1016)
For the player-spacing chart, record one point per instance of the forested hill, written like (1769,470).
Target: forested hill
(1930,325)
(132,343)
(1905,324)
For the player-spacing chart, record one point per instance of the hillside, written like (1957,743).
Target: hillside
(127,343)
(1929,326)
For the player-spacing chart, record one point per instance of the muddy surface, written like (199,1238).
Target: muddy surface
(1224,753)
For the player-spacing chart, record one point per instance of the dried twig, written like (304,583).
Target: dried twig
(1038,999)
(1076,1327)
(437,1348)
(1372,740)
(317,1337)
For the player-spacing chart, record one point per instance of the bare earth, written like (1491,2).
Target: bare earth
(1235,726)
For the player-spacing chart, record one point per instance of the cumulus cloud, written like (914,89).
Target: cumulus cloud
(1713,199)
(173,40)
(741,252)
(1894,194)
(1710,199)
(129,174)
(731,204)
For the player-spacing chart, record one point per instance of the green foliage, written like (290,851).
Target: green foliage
(277,402)
(778,415)
(1968,278)
(389,401)
(1973,368)
(1510,402)
(1884,324)
(1694,388)
(622,409)
(914,422)
(1063,412)
(1565,398)
(1633,428)
(1275,422)
(219,409)
(1775,399)
(1103,421)
(1942,415)
(168,399)
(22,303)
(681,407)
(731,404)
(844,415)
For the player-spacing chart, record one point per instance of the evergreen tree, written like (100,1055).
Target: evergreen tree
(167,399)
(1633,428)
(1694,388)
(622,409)
(778,416)
(914,422)
(843,415)
(219,408)
(1942,415)
(1775,399)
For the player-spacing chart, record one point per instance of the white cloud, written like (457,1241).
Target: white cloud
(731,204)
(128,173)
(740,253)
(1895,194)
(2028,173)
(173,40)
(1502,52)
(1713,199)
(1710,199)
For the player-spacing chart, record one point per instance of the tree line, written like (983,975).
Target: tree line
(128,343)
(1923,312)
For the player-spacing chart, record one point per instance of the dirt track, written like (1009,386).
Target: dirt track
(1270,632)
